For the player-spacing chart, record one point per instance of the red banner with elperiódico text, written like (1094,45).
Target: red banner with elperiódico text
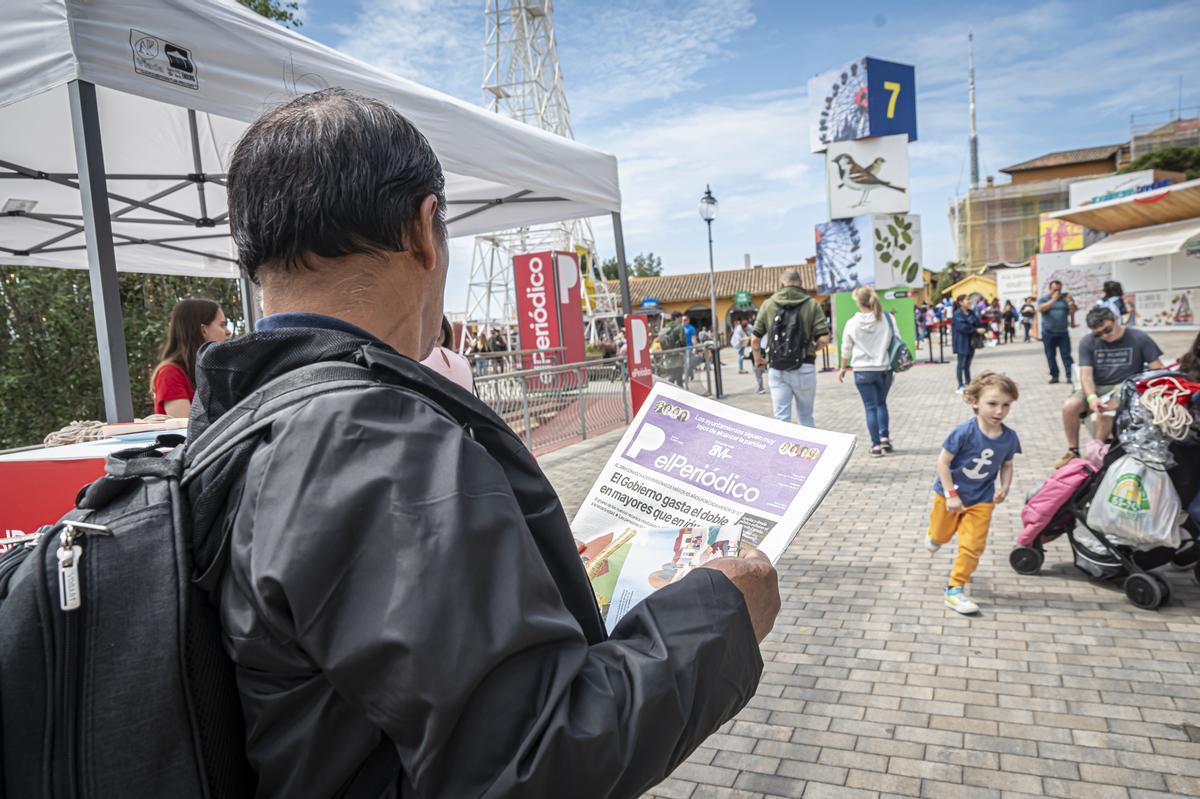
(549,317)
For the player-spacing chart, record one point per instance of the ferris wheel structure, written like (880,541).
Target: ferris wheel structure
(522,79)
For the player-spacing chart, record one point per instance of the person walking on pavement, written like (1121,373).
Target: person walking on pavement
(964,326)
(689,334)
(1028,311)
(673,340)
(796,328)
(739,341)
(1056,309)
(1010,322)
(866,348)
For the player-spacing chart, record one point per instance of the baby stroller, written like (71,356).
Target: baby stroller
(1064,503)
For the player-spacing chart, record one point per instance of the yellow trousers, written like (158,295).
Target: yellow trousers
(972,528)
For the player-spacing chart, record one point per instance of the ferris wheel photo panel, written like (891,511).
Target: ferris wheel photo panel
(838,106)
(844,256)
(867,176)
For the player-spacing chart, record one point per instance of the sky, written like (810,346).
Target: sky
(713,92)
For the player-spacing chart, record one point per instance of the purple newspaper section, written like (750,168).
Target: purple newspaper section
(730,461)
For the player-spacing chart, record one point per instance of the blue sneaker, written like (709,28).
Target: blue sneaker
(958,601)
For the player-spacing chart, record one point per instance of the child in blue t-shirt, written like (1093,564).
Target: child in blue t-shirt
(973,456)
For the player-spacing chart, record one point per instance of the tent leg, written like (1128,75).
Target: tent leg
(250,309)
(102,263)
(622,268)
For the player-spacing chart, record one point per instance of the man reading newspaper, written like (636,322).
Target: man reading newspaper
(401,575)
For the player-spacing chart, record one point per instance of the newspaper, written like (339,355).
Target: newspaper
(686,461)
(627,565)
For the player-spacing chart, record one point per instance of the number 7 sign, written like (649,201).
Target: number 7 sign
(892,103)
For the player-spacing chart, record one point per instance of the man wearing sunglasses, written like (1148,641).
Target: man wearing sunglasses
(1108,356)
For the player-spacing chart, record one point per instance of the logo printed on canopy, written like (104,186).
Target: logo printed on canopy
(157,58)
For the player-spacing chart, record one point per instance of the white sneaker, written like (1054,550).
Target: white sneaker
(958,601)
(959,390)
(931,546)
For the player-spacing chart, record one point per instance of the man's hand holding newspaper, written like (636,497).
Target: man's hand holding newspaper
(691,484)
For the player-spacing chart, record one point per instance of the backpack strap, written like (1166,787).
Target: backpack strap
(259,409)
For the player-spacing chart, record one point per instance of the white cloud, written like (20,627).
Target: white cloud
(438,43)
(615,55)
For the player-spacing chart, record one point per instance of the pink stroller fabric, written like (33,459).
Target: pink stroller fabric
(1048,500)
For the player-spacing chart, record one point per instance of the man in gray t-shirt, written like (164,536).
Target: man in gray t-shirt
(1108,356)
(1056,309)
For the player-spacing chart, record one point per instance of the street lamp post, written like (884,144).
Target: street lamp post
(708,212)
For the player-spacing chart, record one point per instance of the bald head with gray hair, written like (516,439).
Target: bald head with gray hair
(790,277)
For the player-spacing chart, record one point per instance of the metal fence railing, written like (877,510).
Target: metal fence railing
(689,367)
(553,406)
(502,361)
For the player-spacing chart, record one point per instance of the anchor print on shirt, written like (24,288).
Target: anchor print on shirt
(976,472)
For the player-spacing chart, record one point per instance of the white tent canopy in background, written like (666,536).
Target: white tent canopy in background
(1142,242)
(168,86)
(241,65)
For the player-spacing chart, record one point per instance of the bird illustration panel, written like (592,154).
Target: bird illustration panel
(867,176)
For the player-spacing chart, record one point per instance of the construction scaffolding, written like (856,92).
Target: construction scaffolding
(1148,132)
(523,80)
(999,224)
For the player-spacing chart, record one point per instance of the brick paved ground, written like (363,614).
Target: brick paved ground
(872,688)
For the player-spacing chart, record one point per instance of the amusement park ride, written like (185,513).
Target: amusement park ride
(522,80)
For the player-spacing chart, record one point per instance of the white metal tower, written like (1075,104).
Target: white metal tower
(522,79)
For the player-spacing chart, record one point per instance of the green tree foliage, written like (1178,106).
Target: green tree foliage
(282,11)
(1174,159)
(950,274)
(51,373)
(642,265)
(51,370)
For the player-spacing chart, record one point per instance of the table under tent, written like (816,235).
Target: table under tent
(117,121)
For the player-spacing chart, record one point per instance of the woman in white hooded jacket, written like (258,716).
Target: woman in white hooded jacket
(866,348)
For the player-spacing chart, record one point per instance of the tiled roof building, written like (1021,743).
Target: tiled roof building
(762,280)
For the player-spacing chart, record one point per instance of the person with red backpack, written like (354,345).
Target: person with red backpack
(795,327)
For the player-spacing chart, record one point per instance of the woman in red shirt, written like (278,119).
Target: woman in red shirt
(193,322)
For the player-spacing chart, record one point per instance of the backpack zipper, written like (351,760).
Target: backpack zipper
(69,554)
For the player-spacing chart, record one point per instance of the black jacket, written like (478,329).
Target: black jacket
(400,566)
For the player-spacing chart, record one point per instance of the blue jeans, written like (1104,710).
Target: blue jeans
(1060,341)
(741,358)
(794,384)
(873,387)
(962,370)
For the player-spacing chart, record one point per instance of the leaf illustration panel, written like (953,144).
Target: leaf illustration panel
(897,249)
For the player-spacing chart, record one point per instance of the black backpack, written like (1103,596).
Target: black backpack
(789,339)
(114,680)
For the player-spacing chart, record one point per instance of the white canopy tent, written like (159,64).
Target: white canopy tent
(117,121)
(1143,242)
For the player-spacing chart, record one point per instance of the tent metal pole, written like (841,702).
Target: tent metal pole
(249,303)
(622,269)
(102,263)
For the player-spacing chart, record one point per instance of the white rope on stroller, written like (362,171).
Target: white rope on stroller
(1161,401)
